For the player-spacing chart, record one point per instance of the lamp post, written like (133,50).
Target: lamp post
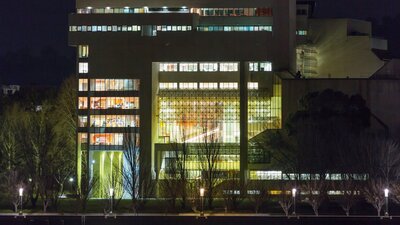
(111,199)
(294,190)
(71,181)
(21,193)
(202,190)
(386,191)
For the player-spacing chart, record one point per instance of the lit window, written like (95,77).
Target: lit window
(82,103)
(106,139)
(228,85)
(168,67)
(165,86)
(228,67)
(114,84)
(208,67)
(188,86)
(82,121)
(83,84)
(265,175)
(83,67)
(252,85)
(260,66)
(108,10)
(266,66)
(188,67)
(208,86)
(301,32)
(114,121)
(253,66)
(114,103)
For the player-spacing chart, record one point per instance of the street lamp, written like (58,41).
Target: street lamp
(294,190)
(21,193)
(202,190)
(386,191)
(111,199)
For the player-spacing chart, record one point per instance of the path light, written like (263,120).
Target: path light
(294,191)
(111,199)
(386,191)
(21,193)
(202,190)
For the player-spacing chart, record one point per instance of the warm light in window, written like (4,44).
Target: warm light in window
(83,67)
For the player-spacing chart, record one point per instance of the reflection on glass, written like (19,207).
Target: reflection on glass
(82,103)
(114,121)
(114,84)
(106,139)
(114,103)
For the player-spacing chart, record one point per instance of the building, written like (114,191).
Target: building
(10,89)
(187,71)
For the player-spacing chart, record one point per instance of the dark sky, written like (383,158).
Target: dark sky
(35,24)
(358,9)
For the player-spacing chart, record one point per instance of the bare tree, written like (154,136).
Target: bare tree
(315,189)
(374,195)
(174,181)
(114,181)
(63,164)
(285,199)
(37,139)
(9,143)
(193,187)
(348,187)
(136,173)
(12,182)
(181,155)
(130,171)
(232,190)
(257,193)
(169,183)
(209,156)
(85,191)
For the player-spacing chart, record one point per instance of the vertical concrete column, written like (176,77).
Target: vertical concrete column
(243,121)
(146,123)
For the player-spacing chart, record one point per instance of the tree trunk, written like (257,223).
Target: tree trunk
(34,200)
(183,202)
(44,207)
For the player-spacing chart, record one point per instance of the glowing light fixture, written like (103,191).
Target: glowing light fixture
(202,190)
(294,190)
(386,192)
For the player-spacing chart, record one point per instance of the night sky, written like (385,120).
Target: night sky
(35,29)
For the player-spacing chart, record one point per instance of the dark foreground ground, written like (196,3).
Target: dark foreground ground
(157,219)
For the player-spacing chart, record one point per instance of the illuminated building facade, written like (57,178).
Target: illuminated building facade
(184,71)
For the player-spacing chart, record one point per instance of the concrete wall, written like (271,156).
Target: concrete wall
(341,55)
(382,96)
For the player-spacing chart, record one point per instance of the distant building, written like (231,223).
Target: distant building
(10,89)
(186,71)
